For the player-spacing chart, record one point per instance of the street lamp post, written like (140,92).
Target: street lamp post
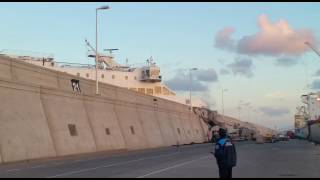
(241,103)
(223,90)
(249,112)
(192,69)
(97,55)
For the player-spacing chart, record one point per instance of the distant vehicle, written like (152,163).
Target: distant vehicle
(291,134)
(239,139)
(282,137)
(274,139)
(268,138)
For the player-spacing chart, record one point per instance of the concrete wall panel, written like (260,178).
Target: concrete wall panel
(24,133)
(26,72)
(186,123)
(168,132)
(108,91)
(151,127)
(62,111)
(126,95)
(178,127)
(200,132)
(5,68)
(104,120)
(128,117)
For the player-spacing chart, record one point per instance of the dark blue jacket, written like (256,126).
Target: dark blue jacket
(225,153)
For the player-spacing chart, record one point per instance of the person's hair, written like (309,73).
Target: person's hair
(222,132)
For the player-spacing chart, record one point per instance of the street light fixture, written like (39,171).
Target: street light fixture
(97,55)
(191,69)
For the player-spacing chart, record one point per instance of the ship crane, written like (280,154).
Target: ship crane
(313,48)
(107,60)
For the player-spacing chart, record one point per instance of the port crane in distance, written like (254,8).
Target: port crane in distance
(313,48)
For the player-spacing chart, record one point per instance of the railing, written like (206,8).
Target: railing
(75,65)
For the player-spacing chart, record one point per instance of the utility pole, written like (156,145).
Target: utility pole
(192,69)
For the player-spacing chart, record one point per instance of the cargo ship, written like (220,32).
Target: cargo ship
(146,79)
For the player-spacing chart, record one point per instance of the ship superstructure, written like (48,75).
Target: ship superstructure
(146,79)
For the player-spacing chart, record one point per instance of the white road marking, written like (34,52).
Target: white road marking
(58,163)
(11,170)
(172,167)
(39,166)
(110,165)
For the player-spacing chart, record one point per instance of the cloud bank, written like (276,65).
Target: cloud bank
(286,62)
(242,67)
(315,84)
(274,111)
(200,80)
(272,39)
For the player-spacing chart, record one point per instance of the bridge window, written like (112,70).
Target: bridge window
(178,130)
(142,90)
(150,91)
(87,75)
(126,77)
(165,91)
(158,89)
(102,76)
(135,78)
(133,89)
(113,76)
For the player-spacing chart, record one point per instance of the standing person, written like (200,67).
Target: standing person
(225,154)
(213,137)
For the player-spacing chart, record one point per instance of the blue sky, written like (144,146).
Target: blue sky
(178,36)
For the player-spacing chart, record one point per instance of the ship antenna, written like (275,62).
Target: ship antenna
(110,50)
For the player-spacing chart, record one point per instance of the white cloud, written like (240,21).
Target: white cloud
(223,38)
(272,39)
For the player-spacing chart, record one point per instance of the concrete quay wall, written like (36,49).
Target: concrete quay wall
(42,116)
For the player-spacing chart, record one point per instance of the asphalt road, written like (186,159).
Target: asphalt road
(295,158)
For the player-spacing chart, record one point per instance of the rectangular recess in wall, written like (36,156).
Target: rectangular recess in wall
(132,130)
(108,131)
(73,130)
(178,130)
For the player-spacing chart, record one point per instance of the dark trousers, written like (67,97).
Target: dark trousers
(225,172)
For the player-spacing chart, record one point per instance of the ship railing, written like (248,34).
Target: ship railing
(74,65)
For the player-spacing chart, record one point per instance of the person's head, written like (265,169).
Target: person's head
(222,132)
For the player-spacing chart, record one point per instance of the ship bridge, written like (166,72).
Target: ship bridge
(151,72)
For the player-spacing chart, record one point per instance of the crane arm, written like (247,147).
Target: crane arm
(313,48)
(89,45)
